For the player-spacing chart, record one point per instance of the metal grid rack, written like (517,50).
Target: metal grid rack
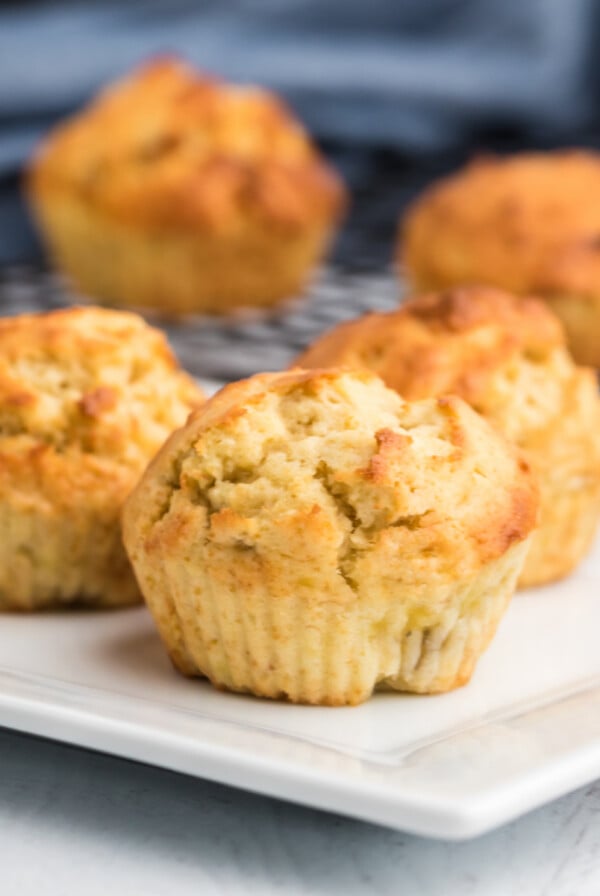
(230,348)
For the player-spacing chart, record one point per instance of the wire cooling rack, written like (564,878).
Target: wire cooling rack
(234,347)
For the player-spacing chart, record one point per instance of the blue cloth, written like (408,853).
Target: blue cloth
(419,75)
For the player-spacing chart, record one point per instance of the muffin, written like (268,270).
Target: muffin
(310,535)
(506,356)
(175,192)
(87,396)
(528,223)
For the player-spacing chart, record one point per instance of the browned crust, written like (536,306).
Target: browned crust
(518,523)
(98,400)
(525,320)
(170,147)
(232,400)
(528,223)
(294,535)
(78,329)
(446,342)
(505,355)
(86,398)
(69,401)
(514,515)
(67,378)
(389,444)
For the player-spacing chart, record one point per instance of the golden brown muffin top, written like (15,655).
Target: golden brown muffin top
(171,147)
(513,222)
(503,354)
(88,382)
(347,459)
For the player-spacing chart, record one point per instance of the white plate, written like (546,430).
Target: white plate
(525,730)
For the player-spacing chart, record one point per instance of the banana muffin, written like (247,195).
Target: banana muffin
(312,536)
(528,223)
(87,396)
(176,192)
(506,356)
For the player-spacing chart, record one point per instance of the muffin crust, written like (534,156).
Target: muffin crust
(170,167)
(310,535)
(506,356)
(86,398)
(528,223)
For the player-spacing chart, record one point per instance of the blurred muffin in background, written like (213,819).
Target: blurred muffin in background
(313,536)
(87,396)
(175,192)
(528,223)
(506,356)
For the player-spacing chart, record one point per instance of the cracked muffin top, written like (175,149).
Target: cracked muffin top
(514,222)
(87,383)
(168,146)
(346,460)
(503,354)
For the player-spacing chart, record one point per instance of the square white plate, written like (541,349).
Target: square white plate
(525,730)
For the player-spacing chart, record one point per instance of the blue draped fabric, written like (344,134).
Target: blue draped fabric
(421,76)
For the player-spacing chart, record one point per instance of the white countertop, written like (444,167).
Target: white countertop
(73,822)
